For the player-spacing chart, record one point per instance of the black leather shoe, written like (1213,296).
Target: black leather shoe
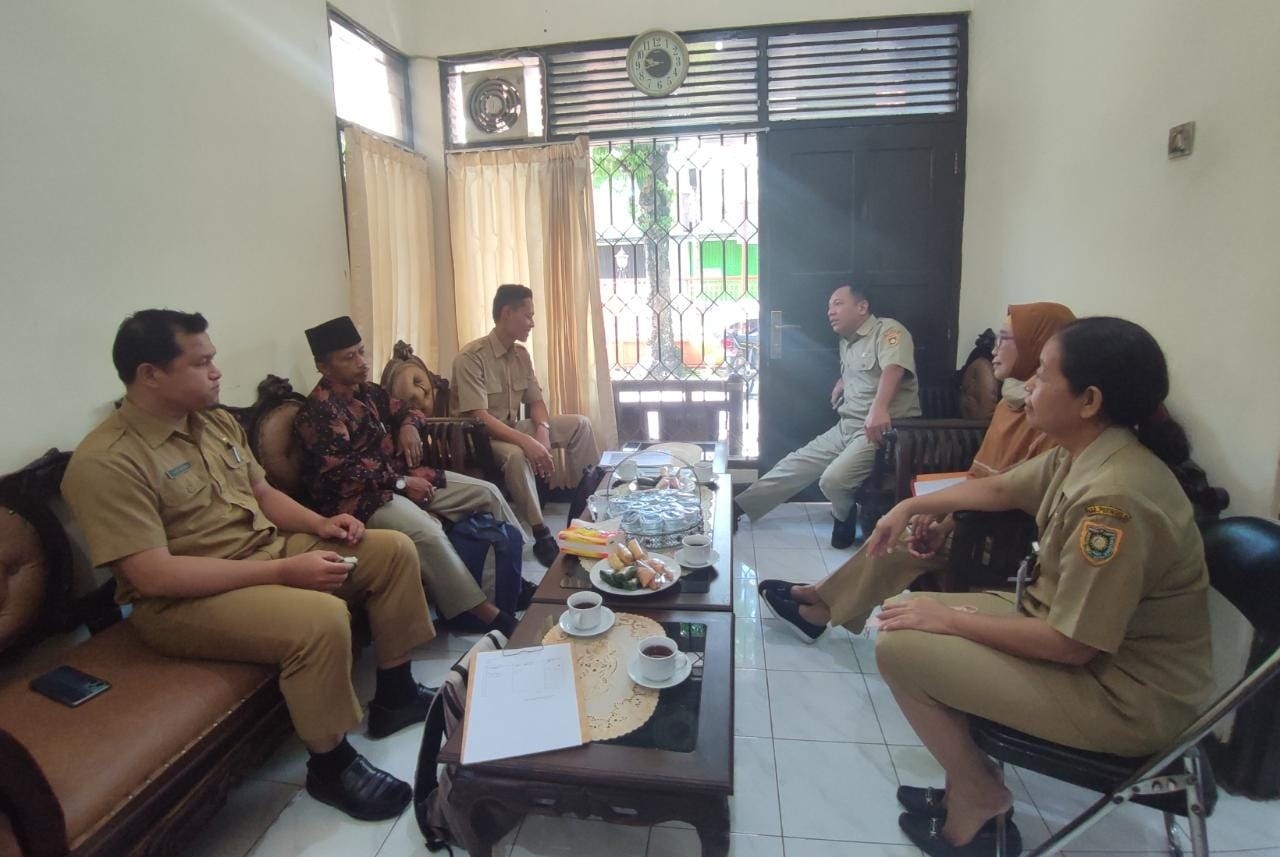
(546,549)
(384,721)
(788,611)
(361,791)
(527,589)
(844,533)
(926,834)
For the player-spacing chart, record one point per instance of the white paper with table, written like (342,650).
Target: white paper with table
(522,701)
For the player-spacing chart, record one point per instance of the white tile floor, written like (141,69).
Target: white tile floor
(819,747)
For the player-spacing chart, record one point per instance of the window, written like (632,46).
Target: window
(370,80)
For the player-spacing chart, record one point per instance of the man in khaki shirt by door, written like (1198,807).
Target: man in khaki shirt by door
(877,385)
(493,378)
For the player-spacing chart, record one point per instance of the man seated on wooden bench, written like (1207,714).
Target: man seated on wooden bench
(492,378)
(362,455)
(218,564)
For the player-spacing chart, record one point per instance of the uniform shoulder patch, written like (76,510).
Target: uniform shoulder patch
(1108,512)
(1099,543)
(892,337)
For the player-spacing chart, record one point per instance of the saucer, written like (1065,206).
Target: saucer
(607,618)
(712,560)
(681,673)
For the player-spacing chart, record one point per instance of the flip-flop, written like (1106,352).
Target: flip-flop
(926,834)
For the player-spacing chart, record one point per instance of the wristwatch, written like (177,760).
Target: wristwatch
(400,483)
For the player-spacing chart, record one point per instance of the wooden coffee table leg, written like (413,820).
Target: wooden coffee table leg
(712,824)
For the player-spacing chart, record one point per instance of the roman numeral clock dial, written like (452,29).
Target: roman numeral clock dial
(657,62)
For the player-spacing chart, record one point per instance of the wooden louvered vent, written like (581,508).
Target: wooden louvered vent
(588,91)
(740,80)
(863,72)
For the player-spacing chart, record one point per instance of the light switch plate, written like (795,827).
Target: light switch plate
(1182,139)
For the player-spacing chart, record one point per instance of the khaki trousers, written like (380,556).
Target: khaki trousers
(570,432)
(306,633)
(840,459)
(856,588)
(445,577)
(1061,703)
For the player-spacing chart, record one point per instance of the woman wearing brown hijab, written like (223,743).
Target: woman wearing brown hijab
(849,594)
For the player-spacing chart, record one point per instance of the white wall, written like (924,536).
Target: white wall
(1069,195)
(176,154)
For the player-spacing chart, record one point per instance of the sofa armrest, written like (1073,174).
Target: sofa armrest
(987,547)
(29,802)
(932,446)
(459,444)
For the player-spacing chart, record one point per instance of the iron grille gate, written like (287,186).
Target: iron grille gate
(677,240)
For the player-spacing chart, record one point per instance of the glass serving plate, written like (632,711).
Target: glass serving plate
(657,518)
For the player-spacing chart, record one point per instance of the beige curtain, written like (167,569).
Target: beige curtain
(393,279)
(525,216)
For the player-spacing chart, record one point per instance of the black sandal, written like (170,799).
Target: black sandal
(923,801)
(928,802)
(926,834)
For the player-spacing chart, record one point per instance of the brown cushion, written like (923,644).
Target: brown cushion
(979,390)
(412,383)
(98,755)
(23,576)
(277,447)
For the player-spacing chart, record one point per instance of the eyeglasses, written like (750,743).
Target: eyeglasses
(1002,338)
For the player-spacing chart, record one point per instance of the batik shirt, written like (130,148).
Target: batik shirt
(348,440)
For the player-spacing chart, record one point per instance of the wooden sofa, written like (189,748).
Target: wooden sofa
(138,769)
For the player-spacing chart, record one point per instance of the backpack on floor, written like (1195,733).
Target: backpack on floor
(473,538)
(431,785)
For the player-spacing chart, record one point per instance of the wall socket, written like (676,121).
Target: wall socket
(1182,139)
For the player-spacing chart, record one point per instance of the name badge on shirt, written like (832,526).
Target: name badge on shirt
(175,472)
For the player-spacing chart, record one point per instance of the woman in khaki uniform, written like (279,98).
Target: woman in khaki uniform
(1109,649)
(848,595)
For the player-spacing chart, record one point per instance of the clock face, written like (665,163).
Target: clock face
(657,62)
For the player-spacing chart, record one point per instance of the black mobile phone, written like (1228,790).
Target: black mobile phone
(68,685)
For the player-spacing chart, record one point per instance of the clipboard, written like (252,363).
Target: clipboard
(529,701)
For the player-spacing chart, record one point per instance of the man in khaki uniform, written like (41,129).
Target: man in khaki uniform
(218,564)
(877,385)
(492,378)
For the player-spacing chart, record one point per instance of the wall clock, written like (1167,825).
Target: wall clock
(657,62)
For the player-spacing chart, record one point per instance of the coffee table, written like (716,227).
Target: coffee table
(637,785)
(701,589)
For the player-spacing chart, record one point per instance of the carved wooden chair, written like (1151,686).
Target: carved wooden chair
(455,443)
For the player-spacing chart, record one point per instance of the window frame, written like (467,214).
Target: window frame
(400,60)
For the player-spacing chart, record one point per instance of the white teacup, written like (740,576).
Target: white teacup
(697,550)
(584,609)
(659,658)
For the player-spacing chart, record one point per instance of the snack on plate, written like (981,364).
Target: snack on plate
(626,579)
(637,552)
(586,541)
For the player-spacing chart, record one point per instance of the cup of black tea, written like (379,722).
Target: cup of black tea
(584,609)
(659,658)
